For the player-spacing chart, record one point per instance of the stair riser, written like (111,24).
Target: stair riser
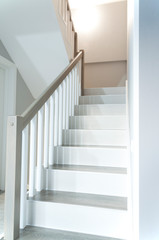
(83,219)
(107,109)
(94,138)
(104,91)
(91,156)
(112,99)
(97,122)
(87,182)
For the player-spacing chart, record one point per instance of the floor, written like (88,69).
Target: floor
(32,233)
(1,213)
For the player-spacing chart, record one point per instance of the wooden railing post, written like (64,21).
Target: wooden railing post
(13,177)
(82,73)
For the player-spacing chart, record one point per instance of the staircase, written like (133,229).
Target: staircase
(86,188)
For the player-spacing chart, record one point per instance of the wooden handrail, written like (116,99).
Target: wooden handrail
(37,104)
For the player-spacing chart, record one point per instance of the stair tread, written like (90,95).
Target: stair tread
(82,199)
(94,146)
(113,170)
(45,233)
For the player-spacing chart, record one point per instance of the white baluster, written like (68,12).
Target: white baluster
(33,125)
(24,177)
(77,83)
(46,136)
(70,95)
(56,119)
(60,115)
(64,103)
(51,131)
(40,149)
(67,101)
(80,66)
(73,93)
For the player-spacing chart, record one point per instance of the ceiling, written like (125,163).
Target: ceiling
(82,3)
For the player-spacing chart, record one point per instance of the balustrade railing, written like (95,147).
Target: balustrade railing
(31,142)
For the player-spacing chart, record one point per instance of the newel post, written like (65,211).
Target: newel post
(13,177)
(82,74)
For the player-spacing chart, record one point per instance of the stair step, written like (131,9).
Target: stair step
(84,199)
(84,213)
(84,168)
(100,109)
(102,99)
(95,156)
(80,137)
(97,122)
(107,182)
(104,91)
(52,234)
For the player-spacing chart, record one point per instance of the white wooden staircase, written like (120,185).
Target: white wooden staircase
(86,188)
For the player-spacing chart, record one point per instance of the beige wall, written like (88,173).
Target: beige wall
(109,74)
(105,46)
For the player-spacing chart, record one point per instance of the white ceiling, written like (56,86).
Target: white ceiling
(82,3)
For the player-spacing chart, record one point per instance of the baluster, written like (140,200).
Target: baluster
(56,118)
(46,135)
(33,125)
(24,177)
(67,101)
(65,11)
(77,82)
(40,149)
(80,77)
(60,115)
(73,92)
(51,131)
(70,95)
(64,103)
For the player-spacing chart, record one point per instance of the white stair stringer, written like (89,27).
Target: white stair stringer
(77,218)
(94,156)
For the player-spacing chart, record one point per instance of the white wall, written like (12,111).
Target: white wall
(102,33)
(31,34)
(23,95)
(143,74)
(149,119)
(133,87)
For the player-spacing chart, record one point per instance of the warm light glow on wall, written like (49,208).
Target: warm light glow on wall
(86,19)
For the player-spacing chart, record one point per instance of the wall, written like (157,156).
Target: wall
(103,36)
(23,95)
(143,74)
(31,34)
(149,119)
(105,74)
(133,95)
